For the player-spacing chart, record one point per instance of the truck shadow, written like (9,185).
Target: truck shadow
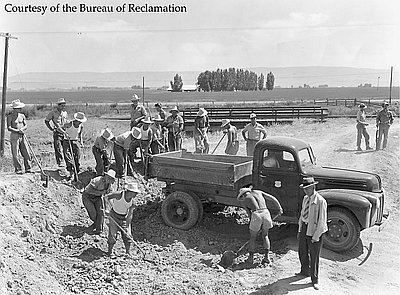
(283,286)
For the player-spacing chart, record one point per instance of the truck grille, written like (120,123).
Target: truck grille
(379,213)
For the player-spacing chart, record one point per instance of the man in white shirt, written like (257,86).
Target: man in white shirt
(252,133)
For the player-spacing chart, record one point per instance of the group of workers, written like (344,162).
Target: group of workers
(164,133)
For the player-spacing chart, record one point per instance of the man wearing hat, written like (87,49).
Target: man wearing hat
(161,119)
(312,226)
(99,150)
(174,123)
(156,145)
(383,121)
(16,124)
(232,146)
(122,206)
(121,150)
(201,125)
(55,120)
(137,111)
(252,133)
(73,142)
(255,204)
(91,198)
(361,128)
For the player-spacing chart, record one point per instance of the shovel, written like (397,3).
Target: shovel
(144,257)
(219,142)
(228,257)
(43,176)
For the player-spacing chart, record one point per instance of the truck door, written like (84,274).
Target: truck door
(279,176)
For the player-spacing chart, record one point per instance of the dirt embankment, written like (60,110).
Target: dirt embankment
(45,249)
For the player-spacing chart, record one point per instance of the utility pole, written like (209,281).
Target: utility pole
(377,87)
(390,89)
(7,36)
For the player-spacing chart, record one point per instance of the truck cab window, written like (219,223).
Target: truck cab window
(271,158)
(305,158)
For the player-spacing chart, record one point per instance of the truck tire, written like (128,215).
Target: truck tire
(343,230)
(180,210)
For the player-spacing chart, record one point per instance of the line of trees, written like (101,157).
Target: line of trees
(233,79)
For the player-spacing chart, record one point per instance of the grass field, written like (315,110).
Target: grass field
(151,95)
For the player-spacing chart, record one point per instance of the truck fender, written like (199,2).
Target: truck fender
(356,204)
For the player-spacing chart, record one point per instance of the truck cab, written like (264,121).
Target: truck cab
(355,199)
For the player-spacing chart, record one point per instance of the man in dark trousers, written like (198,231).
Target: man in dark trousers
(384,120)
(312,226)
(255,204)
(91,198)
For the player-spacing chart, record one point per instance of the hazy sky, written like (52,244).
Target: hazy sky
(211,34)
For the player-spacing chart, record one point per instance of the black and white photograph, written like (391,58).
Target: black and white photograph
(188,147)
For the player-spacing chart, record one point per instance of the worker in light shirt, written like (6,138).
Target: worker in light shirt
(252,133)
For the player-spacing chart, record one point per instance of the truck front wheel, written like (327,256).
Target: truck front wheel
(343,230)
(180,210)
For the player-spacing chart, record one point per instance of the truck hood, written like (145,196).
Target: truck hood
(331,177)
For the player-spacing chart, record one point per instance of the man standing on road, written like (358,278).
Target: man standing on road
(232,145)
(58,117)
(255,204)
(254,131)
(16,124)
(174,123)
(361,128)
(201,125)
(137,112)
(91,199)
(312,226)
(383,121)
(122,206)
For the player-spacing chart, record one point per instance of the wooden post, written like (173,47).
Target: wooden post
(390,88)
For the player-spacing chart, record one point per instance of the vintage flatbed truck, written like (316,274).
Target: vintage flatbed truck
(355,199)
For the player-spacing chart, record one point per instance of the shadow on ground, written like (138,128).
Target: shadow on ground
(283,286)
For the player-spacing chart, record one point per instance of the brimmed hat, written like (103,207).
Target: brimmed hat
(107,134)
(159,105)
(136,133)
(175,109)
(202,112)
(110,173)
(308,181)
(61,100)
(243,191)
(132,186)
(147,121)
(225,122)
(362,106)
(135,98)
(79,116)
(158,120)
(253,115)
(385,104)
(17,104)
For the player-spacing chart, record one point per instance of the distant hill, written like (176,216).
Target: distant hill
(284,77)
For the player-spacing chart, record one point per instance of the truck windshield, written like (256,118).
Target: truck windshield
(305,157)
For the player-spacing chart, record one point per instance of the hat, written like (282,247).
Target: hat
(225,122)
(61,101)
(385,104)
(362,106)
(79,116)
(135,98)
(243,191)
(107,134)
(158,120)
(308,181)
(253,115)
(136,133)
(175,109)
(159,105)
(110,173)
(202,112)
(132,186)
(147,121)
(17,104)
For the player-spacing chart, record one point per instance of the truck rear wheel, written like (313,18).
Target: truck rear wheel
(180,210)
(343,230)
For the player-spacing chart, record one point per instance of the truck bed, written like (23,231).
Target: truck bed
(230,172)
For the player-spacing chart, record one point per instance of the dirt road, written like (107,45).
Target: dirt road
(44,248)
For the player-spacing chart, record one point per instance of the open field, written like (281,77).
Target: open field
(45,249)
(151,95)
